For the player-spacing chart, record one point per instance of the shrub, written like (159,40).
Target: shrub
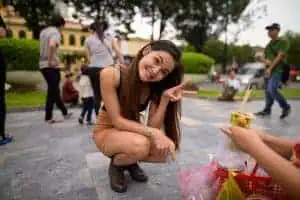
(196,63)
(21,54)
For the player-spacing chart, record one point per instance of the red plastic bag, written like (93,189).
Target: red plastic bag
(198,183)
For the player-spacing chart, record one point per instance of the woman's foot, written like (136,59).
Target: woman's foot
(68,116)
(137,173)
(80,120)
(89,123)
(117,178)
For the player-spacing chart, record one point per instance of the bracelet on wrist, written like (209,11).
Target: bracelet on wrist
(148,132)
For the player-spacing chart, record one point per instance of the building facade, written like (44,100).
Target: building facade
(73,35)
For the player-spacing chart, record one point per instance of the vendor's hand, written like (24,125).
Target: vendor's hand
(244,139)
(163,144)
(173,94)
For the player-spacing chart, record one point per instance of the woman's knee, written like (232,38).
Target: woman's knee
(140,147)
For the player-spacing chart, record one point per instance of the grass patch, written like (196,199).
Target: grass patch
(25,99)
(288,93)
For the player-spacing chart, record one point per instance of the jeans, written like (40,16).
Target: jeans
(88,105)
(52,77)
(94,74)
(272,85)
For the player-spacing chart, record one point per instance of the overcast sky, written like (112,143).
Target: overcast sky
(285,12)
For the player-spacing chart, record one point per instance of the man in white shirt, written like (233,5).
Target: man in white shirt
(231,86)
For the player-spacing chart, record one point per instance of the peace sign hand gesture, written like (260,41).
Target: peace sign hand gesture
(174,94)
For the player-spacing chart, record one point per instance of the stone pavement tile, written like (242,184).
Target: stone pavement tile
(79,194)
(139,191)
(96,160)
(190,121)
(87,143)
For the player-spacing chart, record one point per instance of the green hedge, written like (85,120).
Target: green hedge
(21,54)
(196,63)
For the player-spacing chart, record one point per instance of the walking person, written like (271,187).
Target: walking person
(275,61)
(100,47)
(49,65)
(154,78)
(87,96)
(5,139)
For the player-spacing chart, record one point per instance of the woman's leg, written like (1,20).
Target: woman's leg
(90,106)
(126,147)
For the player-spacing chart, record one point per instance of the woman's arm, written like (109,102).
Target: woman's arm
(280,145)
(158,110)
(157,113)
(117,49)
(88,54)
(280,169)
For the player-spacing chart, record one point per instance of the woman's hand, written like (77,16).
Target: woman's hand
(162,143)
(244,139)
(173,94)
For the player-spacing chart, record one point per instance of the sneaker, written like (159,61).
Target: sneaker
(263,113)
(8,139)
(89,123)
(68,116)
(80,120)
(285,112)
(53,121)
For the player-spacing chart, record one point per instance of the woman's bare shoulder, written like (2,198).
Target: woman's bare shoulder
(111,73)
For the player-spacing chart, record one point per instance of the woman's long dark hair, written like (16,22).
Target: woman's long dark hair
(99,28)
(131,87)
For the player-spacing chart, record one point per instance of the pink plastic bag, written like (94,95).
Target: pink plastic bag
(198,183)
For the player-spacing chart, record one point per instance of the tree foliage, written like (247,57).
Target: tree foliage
(36,13)
(197,20)
(294,50)
(159,10)
(236,53)
(121,10)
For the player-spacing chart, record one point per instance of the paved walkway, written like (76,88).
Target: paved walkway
(60,162)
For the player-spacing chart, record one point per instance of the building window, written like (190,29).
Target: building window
(82,40)
(22,34)
(72,40)
(62,40)
(9,33)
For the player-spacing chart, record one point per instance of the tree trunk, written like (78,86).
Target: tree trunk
(36,29)
(162,26)
(36,33)
(152,20)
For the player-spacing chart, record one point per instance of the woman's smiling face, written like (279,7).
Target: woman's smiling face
(155,66)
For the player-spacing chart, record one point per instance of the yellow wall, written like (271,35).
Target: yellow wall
(17,24)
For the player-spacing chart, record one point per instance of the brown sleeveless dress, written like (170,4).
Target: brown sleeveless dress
(103,122)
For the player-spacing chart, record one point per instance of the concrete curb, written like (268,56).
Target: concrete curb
(216,99)
(32,109)
(187,94)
